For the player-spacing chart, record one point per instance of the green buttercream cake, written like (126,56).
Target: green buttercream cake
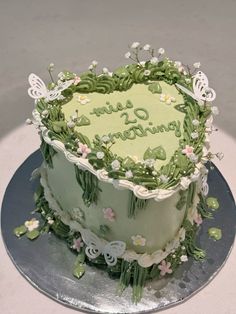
(123,180)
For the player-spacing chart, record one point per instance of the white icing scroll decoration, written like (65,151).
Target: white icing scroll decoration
(39,90)
(201,90)
(205,186)
(96,246)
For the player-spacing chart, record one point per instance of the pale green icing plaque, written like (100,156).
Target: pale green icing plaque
(143,113)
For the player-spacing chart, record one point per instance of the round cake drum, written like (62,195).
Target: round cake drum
(95,292)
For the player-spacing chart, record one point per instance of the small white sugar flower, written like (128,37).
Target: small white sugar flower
(215,110)
(177,64)
(194,135)
(181,69)
(161,51)
(61,97)
(197,65)
(147,72)
(105,70)
(184,258)
(149,162)
(193,158)
(70,124)
(135,45)
(127,55)
(61,75)
(164,178)
(51,66)
(195,122)
(50,220)
(115,165)
(45,113)
(129,174)
(28,121)
(154,60)
(146,47)
(105,139)
(184,183)
(100,155)
(188,80)
(142,63)
(94,63)
(90,67)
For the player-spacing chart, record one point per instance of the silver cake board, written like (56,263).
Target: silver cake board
(47,262)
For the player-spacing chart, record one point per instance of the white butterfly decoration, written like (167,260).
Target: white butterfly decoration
(201,90)
(96,246)
(39,90)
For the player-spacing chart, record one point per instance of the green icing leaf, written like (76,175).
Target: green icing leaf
(59,126)
(160,153)
(82,121)
(182,161)
(79,270)
(79,267)
(19,231)
(155,88)
(181,108)
(149,154)
(212,203)
(128,162)
(33,234)
(121,72)
(84,139)
(155,153)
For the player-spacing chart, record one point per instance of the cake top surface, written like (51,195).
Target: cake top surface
(134,120)
(143,127)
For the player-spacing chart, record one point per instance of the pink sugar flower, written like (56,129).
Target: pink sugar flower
(109,214)
(165,268)
(77,79)
(188,150)
(197,219)
(84,150)
(77,244)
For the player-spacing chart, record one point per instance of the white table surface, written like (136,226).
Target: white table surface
(17,296)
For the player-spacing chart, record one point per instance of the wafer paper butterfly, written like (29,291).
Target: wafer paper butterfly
(39,90)
(96,246)
(201,90)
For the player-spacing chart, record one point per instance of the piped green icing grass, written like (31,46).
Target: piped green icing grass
(48,152)
(89,184)
(135,204)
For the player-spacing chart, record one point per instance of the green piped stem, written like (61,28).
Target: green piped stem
(203,208)
(48,152)
(89,184)
(135,204)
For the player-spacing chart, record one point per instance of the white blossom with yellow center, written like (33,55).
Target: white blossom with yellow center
(138,240)
(167,99)
(83,99)
(32,224)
